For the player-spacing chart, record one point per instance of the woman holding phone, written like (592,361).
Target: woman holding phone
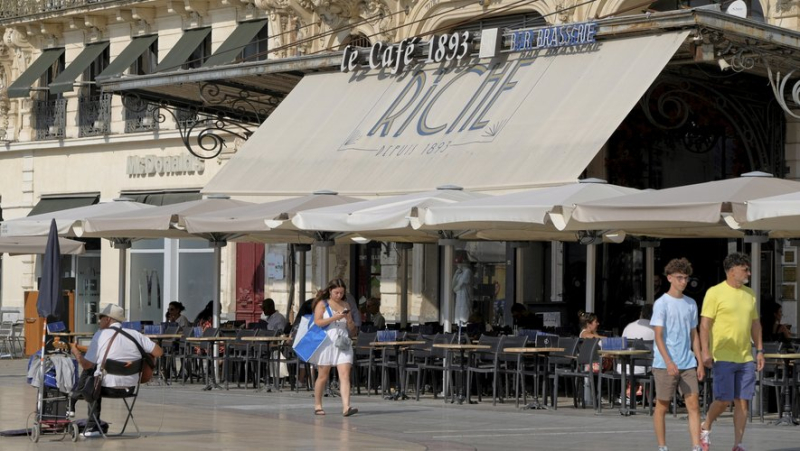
(331,310)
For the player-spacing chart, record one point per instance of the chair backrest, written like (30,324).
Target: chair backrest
(172,330)
(210,332)
(442,338)
(587,351)
(494,343)
(122,368)
(57,326)
(245,333)
(570,345)
(547,341)
(512,342)
(362,343)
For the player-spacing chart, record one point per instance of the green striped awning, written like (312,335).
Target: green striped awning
(232,47)
(128,56)
(22,85)
(66,80)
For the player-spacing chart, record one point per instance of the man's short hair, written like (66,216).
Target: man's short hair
(678,266)
(647,311)
(735,259)
(267,302)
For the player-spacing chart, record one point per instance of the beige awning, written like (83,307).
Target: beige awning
(515,122)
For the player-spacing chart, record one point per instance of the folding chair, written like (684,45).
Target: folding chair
(127,394)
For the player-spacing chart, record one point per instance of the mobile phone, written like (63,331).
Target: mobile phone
(347,310)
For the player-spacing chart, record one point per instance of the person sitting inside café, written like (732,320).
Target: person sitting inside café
(271,317)
(109,343)
(374,313)
(524,319)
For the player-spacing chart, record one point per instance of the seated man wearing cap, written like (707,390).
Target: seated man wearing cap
(121,348)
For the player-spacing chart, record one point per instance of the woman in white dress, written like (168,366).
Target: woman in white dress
(331,310)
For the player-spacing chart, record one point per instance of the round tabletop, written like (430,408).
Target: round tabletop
(623,352)
(265,339)
(72,334)
(162,336)
(532,350)
(465,347)
(397,343)
(208,339)
(782,356)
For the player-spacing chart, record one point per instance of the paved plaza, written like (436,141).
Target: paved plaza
(182,417)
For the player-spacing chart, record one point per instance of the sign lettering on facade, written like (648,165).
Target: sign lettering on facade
(170,165)
(553,37)
(396,57)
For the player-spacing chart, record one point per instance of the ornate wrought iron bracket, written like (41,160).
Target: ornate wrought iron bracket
(778,83)
(203,133)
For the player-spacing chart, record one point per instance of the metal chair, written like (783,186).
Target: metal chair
(485,362)
(587,355)
(434,362)
(364,358)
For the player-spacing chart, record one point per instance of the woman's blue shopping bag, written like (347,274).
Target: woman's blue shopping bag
(309,338)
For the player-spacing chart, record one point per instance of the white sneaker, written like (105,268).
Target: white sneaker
(705,439)
(91,434)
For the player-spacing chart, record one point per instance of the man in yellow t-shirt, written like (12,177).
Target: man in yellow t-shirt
(729,320)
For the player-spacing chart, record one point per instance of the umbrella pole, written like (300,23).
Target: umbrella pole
(447,286)
(649,267)
(122,247)
(591,263)
(404,289)
(40,396)
(755,272)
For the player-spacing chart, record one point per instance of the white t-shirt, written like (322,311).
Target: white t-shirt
(276,321)
(639,329)
(121,349)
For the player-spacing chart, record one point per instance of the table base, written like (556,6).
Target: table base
(785,420)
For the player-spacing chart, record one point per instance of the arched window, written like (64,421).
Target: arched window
(504,23)
(357,40)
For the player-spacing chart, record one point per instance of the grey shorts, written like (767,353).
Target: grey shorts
(666,384)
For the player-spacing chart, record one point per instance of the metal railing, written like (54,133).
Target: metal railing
(140,116)
(94,115)
(49,119)
(12,9)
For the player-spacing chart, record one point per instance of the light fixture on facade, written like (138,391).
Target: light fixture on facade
(147,121)
(99,124)
(53,129)
(723,65)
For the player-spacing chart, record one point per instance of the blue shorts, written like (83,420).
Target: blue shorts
(734,381)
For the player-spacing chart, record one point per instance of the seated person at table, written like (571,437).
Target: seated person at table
(273,318)
(120,347)
(205,318)
(374,313)
(589,323)
(772,327)
(524,319)
(175,314)
(639,329)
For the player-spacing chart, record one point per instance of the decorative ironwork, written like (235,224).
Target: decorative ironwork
(94,115)
(204,134)
(667,104)
(10,9)
(49,119)
(778,83)
(137,118)
(247,105)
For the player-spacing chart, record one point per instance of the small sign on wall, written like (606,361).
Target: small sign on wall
(275,266)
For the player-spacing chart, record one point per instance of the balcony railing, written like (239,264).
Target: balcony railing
(140,116)
(11,9)
(49,119)
(94,115)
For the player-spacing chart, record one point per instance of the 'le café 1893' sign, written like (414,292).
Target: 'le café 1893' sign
(447,47)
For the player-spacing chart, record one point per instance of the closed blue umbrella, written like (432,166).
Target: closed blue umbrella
(50,288)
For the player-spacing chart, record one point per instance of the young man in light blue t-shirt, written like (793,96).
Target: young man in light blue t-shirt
(677,352)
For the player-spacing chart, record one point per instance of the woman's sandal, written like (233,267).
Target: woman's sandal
(350,412)
(319,412)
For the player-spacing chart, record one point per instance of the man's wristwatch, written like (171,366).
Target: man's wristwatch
(760,351)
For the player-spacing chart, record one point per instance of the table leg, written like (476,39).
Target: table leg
(463,378)
(401,374)
(536,405)
(623,409)
(786,418)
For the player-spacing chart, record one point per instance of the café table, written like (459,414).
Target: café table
(159,339)
(260,342)
(537,353)
(625,356)
(211,383)
(463,350)
(786,418)
(399,348)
